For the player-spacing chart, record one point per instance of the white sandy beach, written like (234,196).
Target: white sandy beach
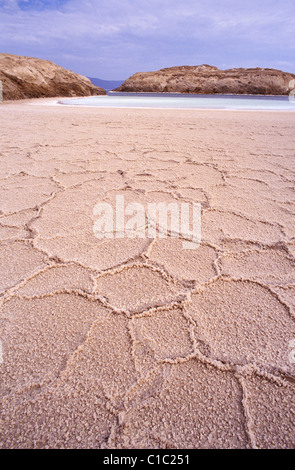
(138,343)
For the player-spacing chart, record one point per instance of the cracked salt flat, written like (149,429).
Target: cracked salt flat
(138,343)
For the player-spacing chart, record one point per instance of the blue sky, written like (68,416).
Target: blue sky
(112,39)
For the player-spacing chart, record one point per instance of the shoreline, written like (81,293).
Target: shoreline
(55,101)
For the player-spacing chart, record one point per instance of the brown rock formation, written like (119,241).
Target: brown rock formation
(206,79)
(28,77)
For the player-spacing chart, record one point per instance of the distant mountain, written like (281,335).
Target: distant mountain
(108,85)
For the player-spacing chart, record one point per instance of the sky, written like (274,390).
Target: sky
(113,39)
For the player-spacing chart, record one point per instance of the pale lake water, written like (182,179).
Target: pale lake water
(185,101)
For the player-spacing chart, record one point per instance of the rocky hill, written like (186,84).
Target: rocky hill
(28,77)
(207,79)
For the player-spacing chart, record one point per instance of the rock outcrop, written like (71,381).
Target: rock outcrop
(28,77)
(207,79)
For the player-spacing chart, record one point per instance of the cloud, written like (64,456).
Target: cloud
(127,35)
